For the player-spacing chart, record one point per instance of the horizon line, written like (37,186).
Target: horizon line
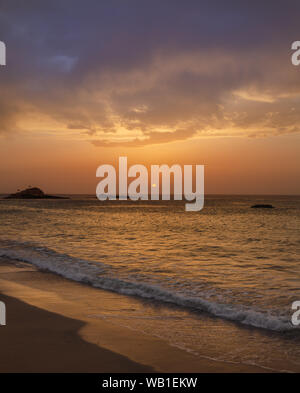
(208,194)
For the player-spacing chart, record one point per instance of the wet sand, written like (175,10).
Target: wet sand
(52,327)
(36,340)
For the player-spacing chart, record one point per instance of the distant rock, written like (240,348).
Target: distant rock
(262,206)
(33,193)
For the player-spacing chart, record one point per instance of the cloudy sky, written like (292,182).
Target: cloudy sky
(206,82)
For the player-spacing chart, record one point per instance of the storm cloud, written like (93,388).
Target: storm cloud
(132,73)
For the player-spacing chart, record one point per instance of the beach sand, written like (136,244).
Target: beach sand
(36,340)
(55,325)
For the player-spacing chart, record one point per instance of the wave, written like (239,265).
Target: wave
(97,275)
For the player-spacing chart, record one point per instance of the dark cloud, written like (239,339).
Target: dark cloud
(142,72)
(151,138)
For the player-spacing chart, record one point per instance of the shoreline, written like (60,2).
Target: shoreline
(36,340)
(53,320)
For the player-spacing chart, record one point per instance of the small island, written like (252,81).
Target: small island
(262,206)
(33,193)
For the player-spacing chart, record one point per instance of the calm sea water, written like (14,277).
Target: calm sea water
(228,261)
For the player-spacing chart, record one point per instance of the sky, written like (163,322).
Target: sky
(161,82)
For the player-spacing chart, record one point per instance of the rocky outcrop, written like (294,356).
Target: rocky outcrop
(262,206)
(32,193)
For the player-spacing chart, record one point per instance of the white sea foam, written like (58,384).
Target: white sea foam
(98,276)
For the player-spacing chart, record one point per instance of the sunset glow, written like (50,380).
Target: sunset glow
(226,97)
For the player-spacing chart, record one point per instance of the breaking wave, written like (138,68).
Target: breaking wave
(98,275)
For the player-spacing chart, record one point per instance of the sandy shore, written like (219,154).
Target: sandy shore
(52,327)
(36,340)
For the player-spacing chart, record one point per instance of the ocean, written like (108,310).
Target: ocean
(218,283)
